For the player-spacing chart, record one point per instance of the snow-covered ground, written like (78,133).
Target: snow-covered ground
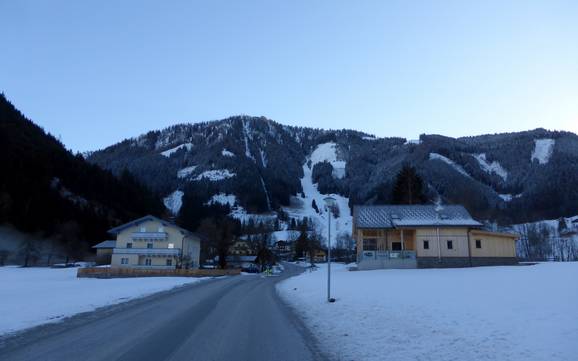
(174,201)
(34,296)
(543,149)
(339,225)
(185,172)
(485,313)
(223,198)
(457,167)
(490,168)
(169,152)
(215,175)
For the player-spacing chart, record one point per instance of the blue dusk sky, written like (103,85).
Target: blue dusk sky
(96,72)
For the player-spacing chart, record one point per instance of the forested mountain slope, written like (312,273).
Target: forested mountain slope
(46,190)
(256,165)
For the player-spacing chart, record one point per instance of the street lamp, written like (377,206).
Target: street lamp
(329,204)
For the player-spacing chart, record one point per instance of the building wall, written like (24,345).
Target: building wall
(189,245)
(103,256)
(493,245)
(174,236)
(497,248)
(458,236)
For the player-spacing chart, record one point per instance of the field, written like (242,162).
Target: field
(33,296)
(485,313)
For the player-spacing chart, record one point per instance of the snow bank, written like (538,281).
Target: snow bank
(436,156)
(34,296)
(169,152)
(215,175)
(543,149)
(490,168)
(185,172)
(174,201)
(485,313)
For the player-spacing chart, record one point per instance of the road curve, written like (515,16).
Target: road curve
(232,318)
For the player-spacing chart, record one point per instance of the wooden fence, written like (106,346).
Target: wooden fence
(114,272)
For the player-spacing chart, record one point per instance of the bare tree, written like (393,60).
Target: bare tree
(4,253)
(29,251)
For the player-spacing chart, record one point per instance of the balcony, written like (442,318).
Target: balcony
(148,251)
(149,236)
(368,260)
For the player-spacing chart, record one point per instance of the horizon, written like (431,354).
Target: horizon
(289,125)
(387,69)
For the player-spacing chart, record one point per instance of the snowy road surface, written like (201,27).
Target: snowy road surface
(486,313)
(233,318)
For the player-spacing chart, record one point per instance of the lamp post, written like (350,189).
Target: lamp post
(329,204)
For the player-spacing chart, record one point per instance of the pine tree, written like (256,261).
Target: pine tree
(314,206)
(408,188)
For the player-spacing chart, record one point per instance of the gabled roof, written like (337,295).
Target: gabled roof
(136,222)
(105,244)
(395,216)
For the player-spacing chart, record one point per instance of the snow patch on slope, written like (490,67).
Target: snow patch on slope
(169,152)
(174,201)
(457,167)
(185,172)
(227,153)
(490,168)
(326,152)
(340,225)
(543,149)
(224,199)
(509,197)
(246,136)
(215,175)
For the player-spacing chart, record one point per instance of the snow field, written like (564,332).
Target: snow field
(485,313)
(34,296)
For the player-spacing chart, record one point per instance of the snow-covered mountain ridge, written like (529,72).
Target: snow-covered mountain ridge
(269,167)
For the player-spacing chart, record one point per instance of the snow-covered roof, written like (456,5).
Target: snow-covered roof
(394,216)
(105,244)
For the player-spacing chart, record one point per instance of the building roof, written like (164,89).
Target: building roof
(118,229)
(105,244)
(396,216)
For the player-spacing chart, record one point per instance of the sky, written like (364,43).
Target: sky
(96,72)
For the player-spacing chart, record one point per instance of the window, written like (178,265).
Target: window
(129,245)
(124,261)
(396,246)
(171,245)
(149,245)
(425,244)
(450,244)
(169,262)
(143,229)
(148,262)
(370,244)
(478,243)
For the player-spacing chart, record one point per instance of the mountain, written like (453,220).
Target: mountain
(257,168)
(47,191)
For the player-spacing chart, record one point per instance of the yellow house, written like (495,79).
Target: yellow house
(150,242)
(412,236)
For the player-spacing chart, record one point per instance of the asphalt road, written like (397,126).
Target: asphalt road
(233,318)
